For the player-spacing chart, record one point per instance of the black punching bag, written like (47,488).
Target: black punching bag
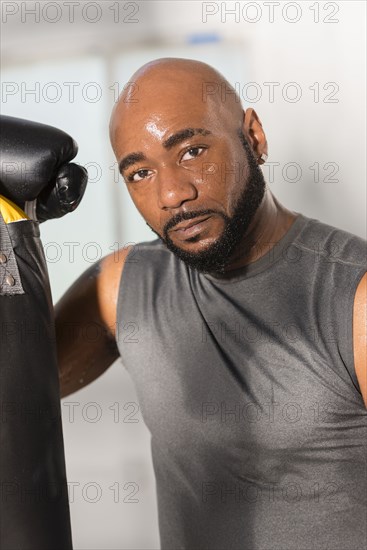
(34,507)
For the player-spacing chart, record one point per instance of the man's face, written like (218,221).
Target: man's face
(186,163)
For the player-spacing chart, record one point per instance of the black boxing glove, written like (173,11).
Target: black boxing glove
(35,168)
(63,195)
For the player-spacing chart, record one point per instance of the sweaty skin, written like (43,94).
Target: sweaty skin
(214,180)
(173,175)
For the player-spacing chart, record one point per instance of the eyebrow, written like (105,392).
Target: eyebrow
(181,135)
(169,143)
(129,160)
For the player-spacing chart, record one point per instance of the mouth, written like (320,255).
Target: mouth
(190,228)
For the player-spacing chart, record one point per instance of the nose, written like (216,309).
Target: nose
(174,187)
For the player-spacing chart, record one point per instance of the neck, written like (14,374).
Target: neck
(271,222)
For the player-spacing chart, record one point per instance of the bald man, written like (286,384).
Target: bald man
(243,327)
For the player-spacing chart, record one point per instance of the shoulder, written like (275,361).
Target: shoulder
(332,244)
(108,282)
(360,335)
(110,274)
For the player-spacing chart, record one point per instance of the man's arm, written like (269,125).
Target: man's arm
(360,336)
(86,322)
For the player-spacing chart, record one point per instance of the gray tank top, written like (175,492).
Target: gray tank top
(247,385)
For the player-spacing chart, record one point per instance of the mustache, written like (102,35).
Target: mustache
(185,216)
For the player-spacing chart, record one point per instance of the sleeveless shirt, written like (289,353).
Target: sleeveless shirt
(247,385)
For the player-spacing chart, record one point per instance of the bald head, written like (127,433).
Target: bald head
(186,149)
(176,84)
(174,74)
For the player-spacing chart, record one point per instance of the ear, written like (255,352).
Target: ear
(255,135)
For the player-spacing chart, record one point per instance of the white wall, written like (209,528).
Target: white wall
(112,451)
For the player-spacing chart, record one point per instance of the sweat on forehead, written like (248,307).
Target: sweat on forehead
(177,84)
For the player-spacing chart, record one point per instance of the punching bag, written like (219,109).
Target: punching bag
(34,507)
(35,172)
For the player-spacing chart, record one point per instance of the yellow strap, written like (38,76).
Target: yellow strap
(10,211)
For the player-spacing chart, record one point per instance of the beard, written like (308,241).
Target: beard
(216,257)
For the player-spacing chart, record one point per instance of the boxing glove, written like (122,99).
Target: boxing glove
(35,168)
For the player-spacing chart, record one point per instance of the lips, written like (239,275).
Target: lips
(190,223)
(191,228)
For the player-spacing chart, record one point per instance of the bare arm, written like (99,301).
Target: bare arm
(360,336)
(85,324)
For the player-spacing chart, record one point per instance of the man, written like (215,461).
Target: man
(243,327)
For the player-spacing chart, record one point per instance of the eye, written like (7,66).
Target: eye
(192,153)
(139,175)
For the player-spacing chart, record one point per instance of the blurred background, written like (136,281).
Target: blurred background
(301,65)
